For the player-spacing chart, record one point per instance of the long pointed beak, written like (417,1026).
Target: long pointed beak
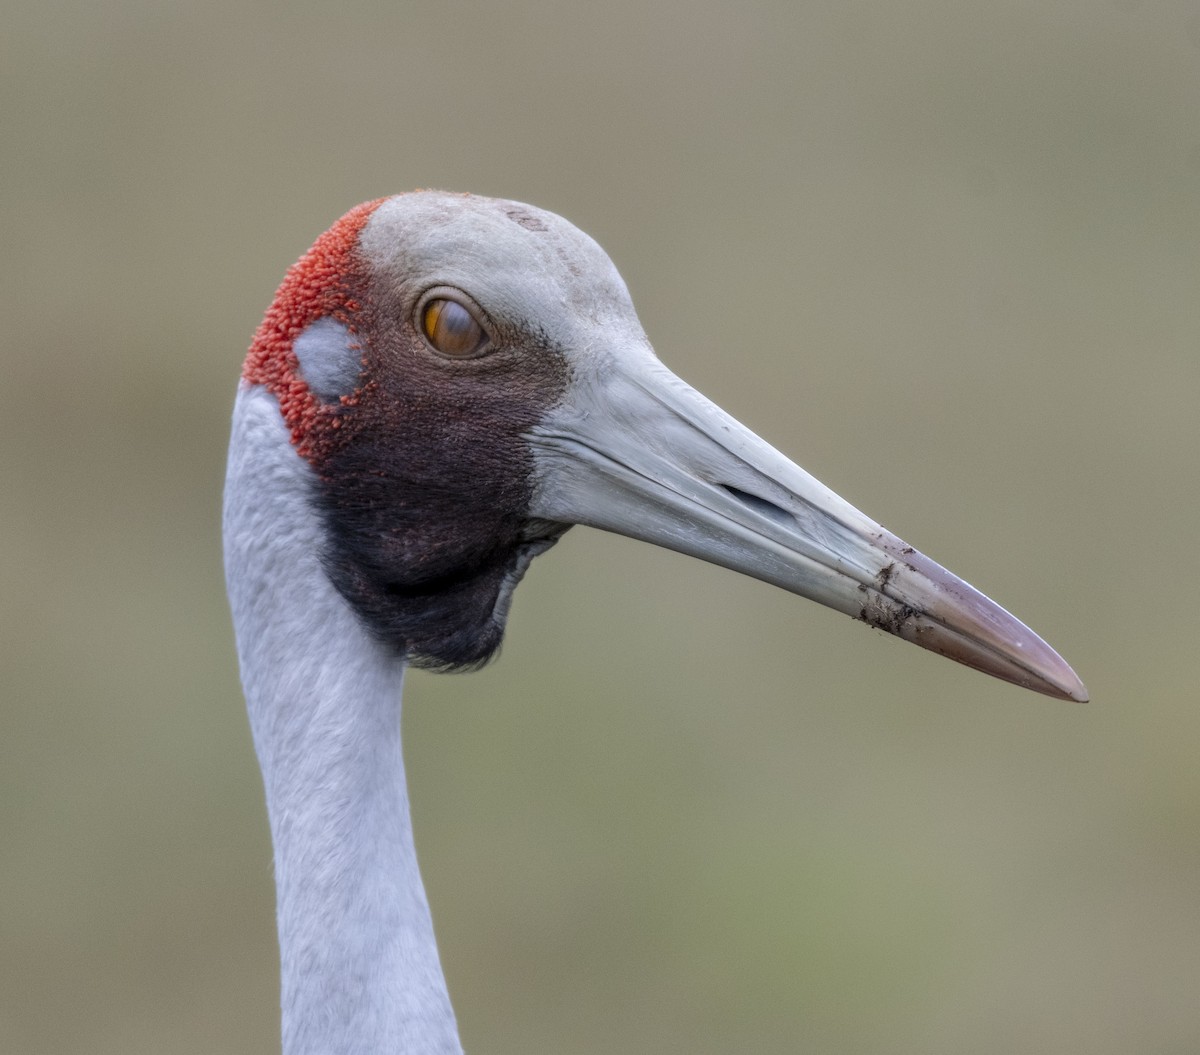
(636,451)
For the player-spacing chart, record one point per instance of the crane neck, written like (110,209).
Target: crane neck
(359,962)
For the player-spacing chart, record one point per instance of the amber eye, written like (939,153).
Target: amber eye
(451,329)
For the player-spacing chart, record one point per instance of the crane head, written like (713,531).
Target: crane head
(467,378)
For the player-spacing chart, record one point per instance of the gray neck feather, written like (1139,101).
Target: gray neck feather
(360,969)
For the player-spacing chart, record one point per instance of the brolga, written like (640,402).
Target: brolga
(442,386)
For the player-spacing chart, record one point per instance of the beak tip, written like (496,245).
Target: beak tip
(1079,693)
(1064,684)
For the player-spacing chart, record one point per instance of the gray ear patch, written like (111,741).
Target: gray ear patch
(330,359)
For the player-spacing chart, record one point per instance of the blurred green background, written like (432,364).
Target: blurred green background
(945,254)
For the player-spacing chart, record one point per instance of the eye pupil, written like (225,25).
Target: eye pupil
(451,329)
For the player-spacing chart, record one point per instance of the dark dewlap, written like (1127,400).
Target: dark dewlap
(425,585)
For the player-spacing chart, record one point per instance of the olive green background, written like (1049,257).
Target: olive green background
(945,254)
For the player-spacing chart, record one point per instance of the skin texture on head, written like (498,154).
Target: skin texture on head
(424,474)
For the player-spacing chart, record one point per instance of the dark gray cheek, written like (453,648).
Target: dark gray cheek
(330,359)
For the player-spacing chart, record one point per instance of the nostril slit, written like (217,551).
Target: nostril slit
(760,505)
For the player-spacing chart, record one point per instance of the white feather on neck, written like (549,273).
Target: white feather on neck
(360,968)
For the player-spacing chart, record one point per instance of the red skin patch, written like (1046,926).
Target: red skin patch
(319,284)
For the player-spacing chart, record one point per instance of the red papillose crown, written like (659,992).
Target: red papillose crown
(317,286)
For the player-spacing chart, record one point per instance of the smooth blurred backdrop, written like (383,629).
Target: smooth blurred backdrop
(945,254)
